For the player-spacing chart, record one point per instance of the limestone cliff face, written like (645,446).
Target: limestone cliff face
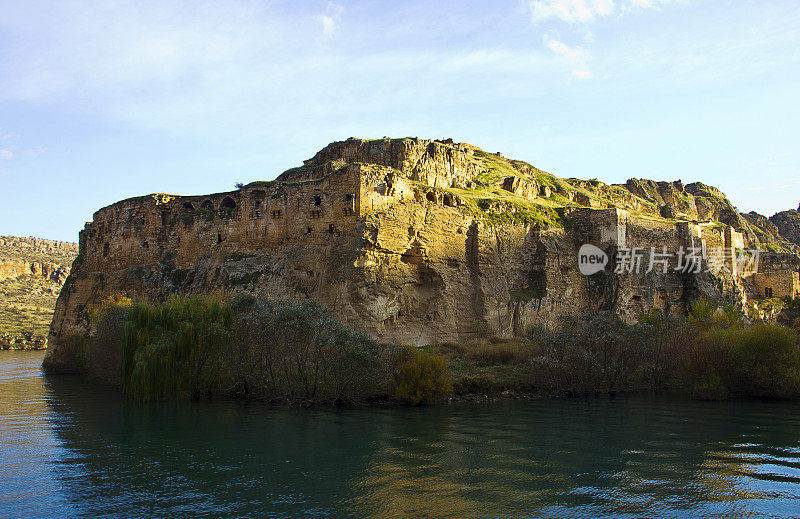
(788,225)
(32,271)
(410,240)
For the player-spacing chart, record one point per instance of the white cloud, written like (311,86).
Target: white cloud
(6,154)
(330,19)
(570,10)
(571,55)
(574,57)
(584,11)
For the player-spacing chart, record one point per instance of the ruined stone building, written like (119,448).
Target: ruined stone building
(414,241)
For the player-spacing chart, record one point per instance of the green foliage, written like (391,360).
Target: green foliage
(422,377)
(171,349)
(791,304)
(300,351)
(107,342)
(589,353)
(705,313)
(191,347)
(501,352)
(761,360)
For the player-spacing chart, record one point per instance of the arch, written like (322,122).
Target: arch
(228,203)
(187,206)
(430,196)
(207,204)
(448,200)
(227,208)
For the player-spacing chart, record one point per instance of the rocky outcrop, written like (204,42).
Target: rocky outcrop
(10,269)
(32,271)
(409,240)
(788,225)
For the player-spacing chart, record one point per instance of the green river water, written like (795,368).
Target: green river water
(72,449)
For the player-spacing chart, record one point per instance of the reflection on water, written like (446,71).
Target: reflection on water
(68,448)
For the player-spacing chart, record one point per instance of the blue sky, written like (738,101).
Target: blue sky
(100,101)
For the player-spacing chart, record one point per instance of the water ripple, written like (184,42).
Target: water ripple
(70,449)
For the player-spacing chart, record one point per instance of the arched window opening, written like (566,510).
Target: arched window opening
(227,208)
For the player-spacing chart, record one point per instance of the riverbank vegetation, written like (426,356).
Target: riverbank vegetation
(713,353)
(209,346)
(204,346)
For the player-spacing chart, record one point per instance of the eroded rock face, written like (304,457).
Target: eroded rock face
(409,240)
(788,224)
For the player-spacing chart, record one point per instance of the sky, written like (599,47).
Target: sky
(104,100)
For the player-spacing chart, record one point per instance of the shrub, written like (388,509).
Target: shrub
(422,377)
(480,383)
(508,352)
(759,361)
(190,347)
(705,313)
(664,341)
(173,349)
(792,304)
(586,353)
(281,350)
(766,358)
(106,345)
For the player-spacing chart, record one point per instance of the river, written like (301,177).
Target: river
(69,448)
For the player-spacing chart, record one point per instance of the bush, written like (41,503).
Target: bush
(106,345)
(290,351)
(791,304)
(508,352)
(588,353)
(705,313)
(664,341)
(480,383)
(422,377)
(757,361)
(174,349)
(190,347)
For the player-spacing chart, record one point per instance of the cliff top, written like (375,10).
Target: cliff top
(500,189)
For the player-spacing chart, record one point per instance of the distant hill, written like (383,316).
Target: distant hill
(32,272)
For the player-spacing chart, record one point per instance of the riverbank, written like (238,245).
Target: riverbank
(202,347)
(75,449)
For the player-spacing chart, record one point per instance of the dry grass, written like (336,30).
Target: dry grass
(500,352)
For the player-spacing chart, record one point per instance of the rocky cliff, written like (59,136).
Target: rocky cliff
(32,271)
(787,223)
(414,241)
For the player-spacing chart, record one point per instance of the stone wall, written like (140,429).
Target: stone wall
(380,232)
(778,283)
(183,229)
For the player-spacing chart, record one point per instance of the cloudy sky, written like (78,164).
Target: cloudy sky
(105,100)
